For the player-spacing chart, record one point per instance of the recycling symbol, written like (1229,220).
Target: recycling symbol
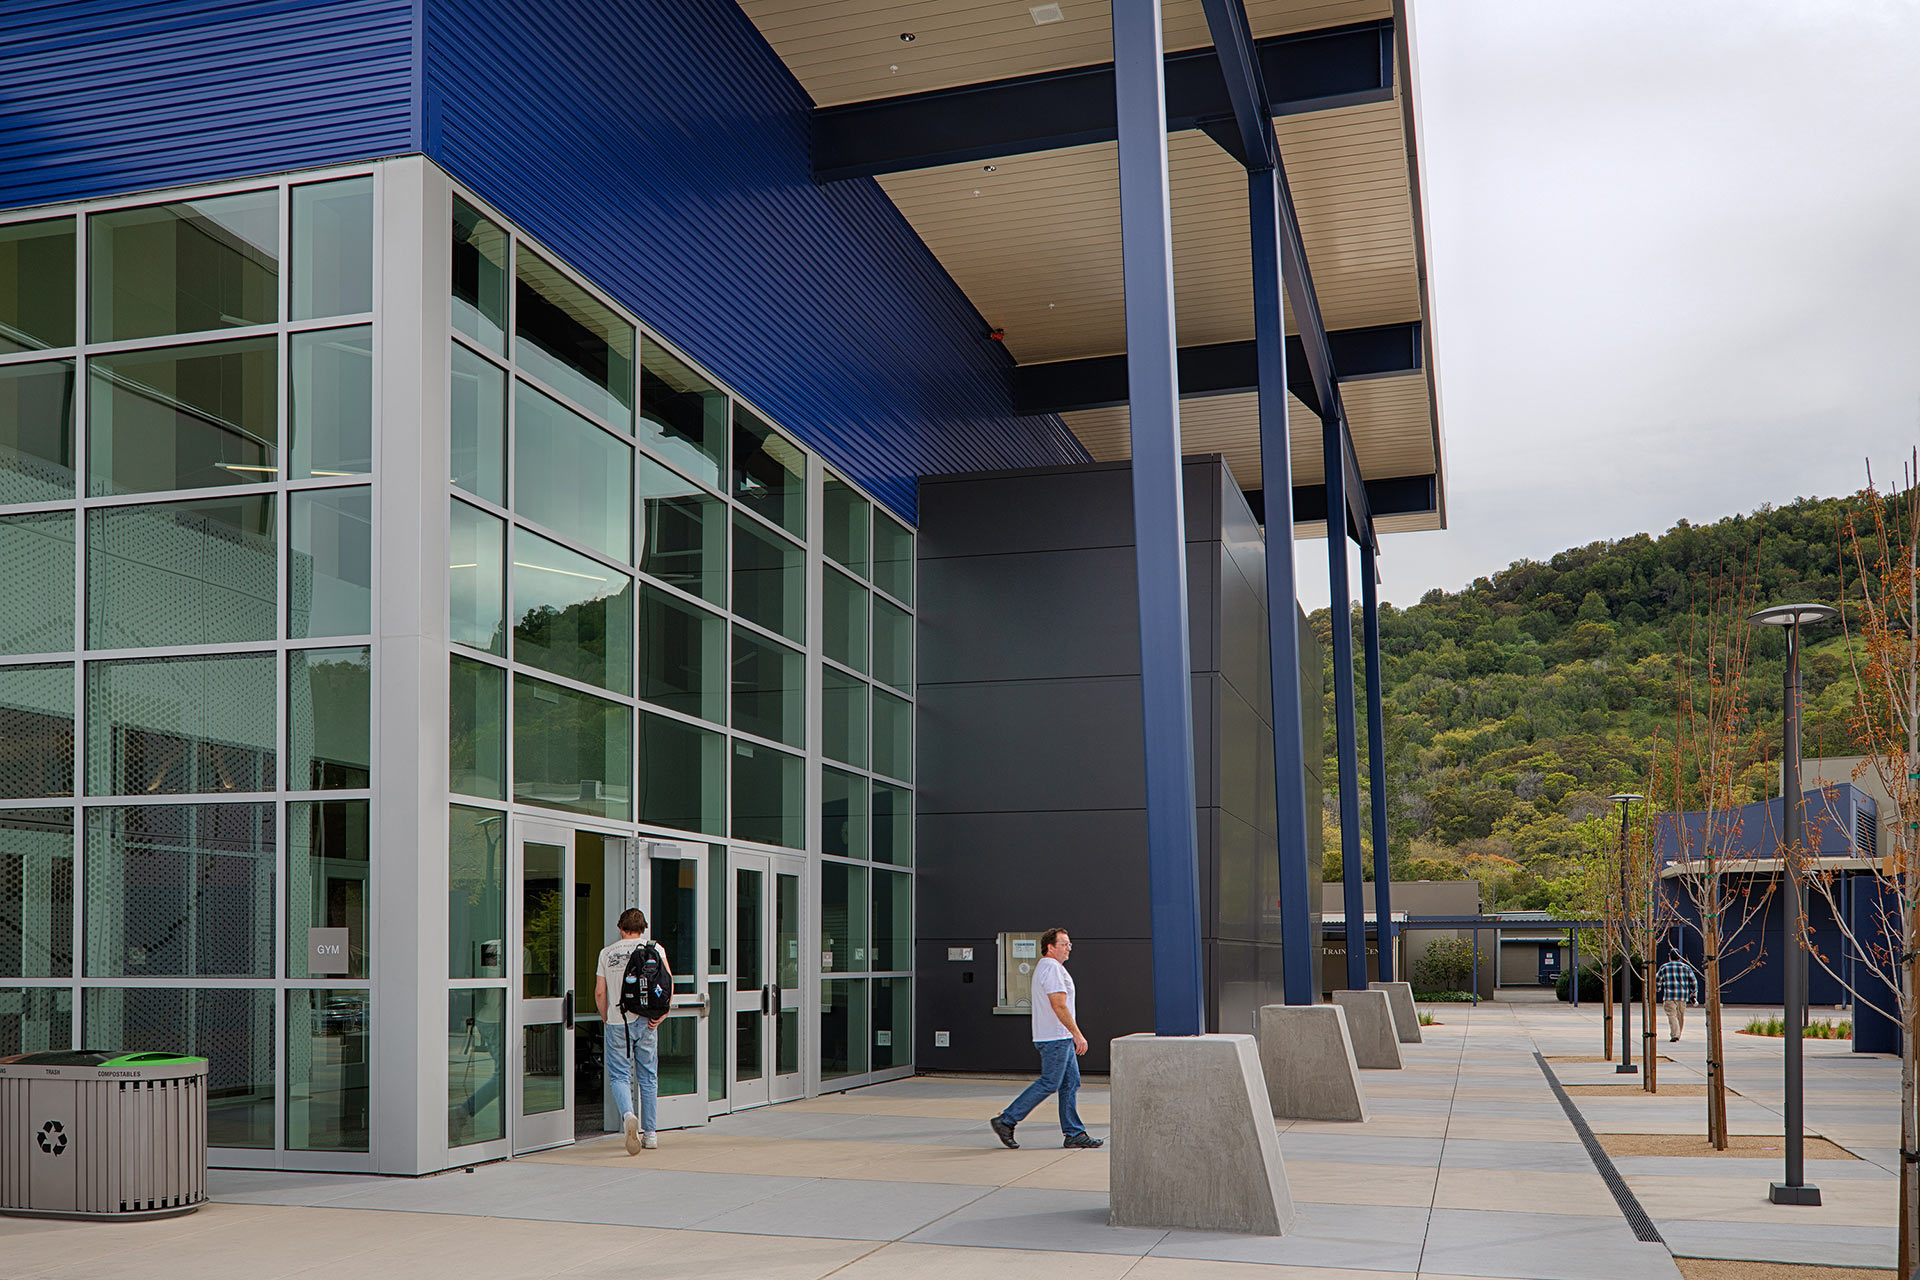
(53,1137)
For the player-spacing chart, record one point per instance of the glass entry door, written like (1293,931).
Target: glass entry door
(765,1000)
(540,919)
(675,878)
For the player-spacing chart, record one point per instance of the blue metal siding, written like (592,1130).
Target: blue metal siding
(99,97)
(663,150)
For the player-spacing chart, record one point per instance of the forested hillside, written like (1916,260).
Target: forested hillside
(1516,705)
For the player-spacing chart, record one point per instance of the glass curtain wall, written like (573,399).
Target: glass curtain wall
(633,561)
(186,478)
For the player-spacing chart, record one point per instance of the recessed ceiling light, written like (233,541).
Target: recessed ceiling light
(1045,13)
(894,67)
(906,37)
(986,168)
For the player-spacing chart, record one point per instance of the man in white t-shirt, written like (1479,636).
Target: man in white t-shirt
(1056,1034)
(629,1042)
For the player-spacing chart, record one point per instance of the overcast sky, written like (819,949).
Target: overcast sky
(1674,262)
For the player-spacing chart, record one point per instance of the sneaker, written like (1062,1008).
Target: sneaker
(632,1129)
(1083,1141)
(1003,1131)
(650,1140)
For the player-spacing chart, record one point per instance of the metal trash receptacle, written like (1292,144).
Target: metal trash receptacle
(91,1133)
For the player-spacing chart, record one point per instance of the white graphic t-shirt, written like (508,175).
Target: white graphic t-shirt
(1050,976)
(612,966)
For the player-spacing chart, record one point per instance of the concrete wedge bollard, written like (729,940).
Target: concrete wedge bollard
(1194,1145)
(1307,1056)
(1370,1022)
(1406,1018)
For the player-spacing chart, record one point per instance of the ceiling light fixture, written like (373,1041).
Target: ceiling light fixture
(906,37)
(986,168)
(1045,13)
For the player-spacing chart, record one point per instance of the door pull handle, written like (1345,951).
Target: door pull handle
(566,1011)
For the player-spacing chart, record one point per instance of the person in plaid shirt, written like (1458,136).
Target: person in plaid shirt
(1676,985)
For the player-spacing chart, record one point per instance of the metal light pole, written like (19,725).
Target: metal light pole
(1626,1067)
(1794,963)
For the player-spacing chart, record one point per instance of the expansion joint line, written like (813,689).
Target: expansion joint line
(1630,1206)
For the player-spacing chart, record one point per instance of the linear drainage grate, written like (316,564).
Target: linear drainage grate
(1629,1203)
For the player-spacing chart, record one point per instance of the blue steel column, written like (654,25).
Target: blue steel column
(1299,983)
(1377,758)
(1340,602)
(1159,520)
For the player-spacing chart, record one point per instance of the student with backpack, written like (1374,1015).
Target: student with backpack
(633,989)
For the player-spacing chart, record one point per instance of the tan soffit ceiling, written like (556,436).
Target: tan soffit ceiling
(848,50)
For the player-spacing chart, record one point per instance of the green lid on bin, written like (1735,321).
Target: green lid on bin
(151,1060)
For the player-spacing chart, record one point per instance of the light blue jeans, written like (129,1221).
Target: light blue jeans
(1059,1072)
(626,1046)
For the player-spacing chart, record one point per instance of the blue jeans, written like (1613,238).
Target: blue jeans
(1059,1073)
(622,1057)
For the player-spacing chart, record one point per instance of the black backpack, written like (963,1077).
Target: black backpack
(646,991)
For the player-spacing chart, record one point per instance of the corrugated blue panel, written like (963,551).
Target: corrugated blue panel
(99,97)
(662,148)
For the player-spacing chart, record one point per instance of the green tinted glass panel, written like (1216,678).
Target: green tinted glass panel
(843,1028)
(846,515)
(330,406)
(892,736)
(172,726)
(892,1023)
(36,731)
(329,742)
(477,867)
(178,573)
(683,417)
(892,558)
(572,341)
(570,750)
(477,580)
(892,920)
(232,1028)
(683,656)
(843,814)
(572,616)
(479,413)
(844,629)
(683,533)
(36,285)
(679,1046)
(769,694)
(180,891)
(36,898)
(193,417)
(843,717)
(843,918)
(41,1019)
(186,267)
(479,277)
(769,579)
(892,825)
(716,1043)
(769,796)
(571,476)
(479,729)
(328,864)
(476,1065)
(329,1088)
(330,563)
(683,781)
(36,432)
(892,646)
(769,472)
(36,609)
(333,248)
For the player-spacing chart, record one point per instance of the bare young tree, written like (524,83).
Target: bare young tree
(1701,783)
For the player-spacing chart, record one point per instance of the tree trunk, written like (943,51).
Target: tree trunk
(1909,1131)
(1649,1034)
(1716,1059)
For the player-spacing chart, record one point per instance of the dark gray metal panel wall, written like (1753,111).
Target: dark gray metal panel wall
(1031,809)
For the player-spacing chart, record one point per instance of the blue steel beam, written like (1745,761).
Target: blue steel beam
(1246,87)
(1324,70)
(1218,369)
(1340,600)
(1386,496)
(1300,973)
(1377,759)
(1159,520)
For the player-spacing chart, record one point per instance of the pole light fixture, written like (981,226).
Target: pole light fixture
(1625,800)
(1794,1190)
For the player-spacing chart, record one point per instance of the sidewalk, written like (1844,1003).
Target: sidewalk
(1469,1167)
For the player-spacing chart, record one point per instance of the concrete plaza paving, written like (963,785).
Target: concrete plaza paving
(1469,1166)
